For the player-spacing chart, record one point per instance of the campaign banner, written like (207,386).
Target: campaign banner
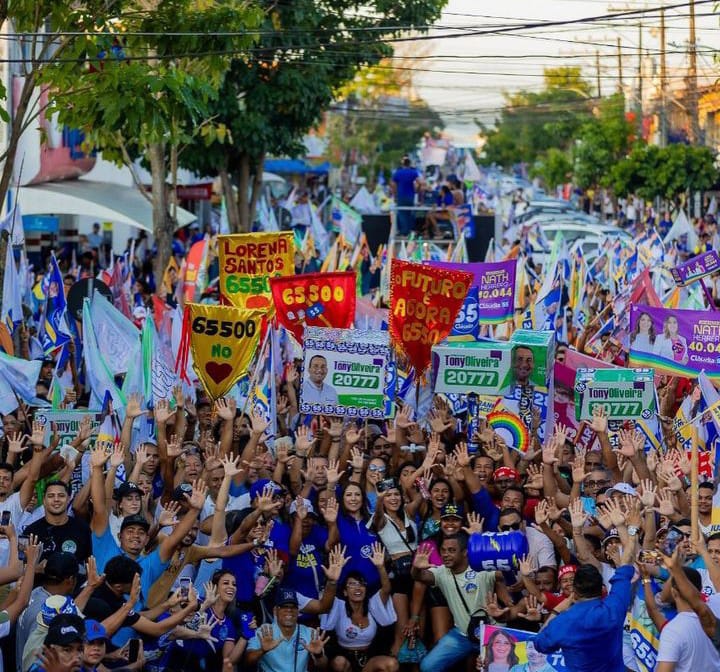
(345,372)
(482,367)
(424,303)
(675,342)
(222,340)
(66,423)
(467,326)
(696,268)
(315,300)
(248,261)
(495,282)
(513,650)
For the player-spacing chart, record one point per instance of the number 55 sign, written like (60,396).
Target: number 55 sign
(223,341)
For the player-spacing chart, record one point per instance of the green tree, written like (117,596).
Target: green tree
(141,81)
(305,52)
(602,142)
(531,123)
(553,167)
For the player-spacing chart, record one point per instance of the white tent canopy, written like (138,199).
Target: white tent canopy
(102,201)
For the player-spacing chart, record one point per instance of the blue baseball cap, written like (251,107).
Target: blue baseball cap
(95,631)
(287,597)
(257,488)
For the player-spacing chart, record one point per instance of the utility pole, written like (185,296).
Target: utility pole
(692,90)
(663,82)
(620,69)
(597,73)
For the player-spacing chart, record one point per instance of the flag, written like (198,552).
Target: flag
(12,292)
(682,227)
(347,221)
(118,339)
(17,382)
(98,374)
(53,329)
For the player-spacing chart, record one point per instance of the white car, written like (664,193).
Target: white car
(591,237)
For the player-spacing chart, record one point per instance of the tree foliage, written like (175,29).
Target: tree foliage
(531,123)
(667,172)
(140,80)
(305,52)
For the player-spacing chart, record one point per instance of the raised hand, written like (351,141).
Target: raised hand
(162,411)
(422,557)
(378,555)
(648,493)
(303,441)
(554,511)
(617,517)
(16,442)
(461,455)
(85,430)
(259,422)
(273,564)
(317,643)
(577,514)
(525,566)
(333,475)
(578,470)
(438,422)
(267,641)
(199,494)
(475,523)
(542,515)
(357,461)
(174,447)
(599,422)
(300,507)
(169,515)
(403,419)
(493,609)
(331,511)
(631,441)
(335,428)
(231,465)
(133,406)
(336,562)
(224,410)
(211,595)
(352,434)
(118,455)
(549,453)
(532,609)
(37,436)
(535,477)
(666,503)
(98,455)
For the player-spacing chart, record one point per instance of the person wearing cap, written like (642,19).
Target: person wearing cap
(63,646)
(57,530)
(548,599)
(108,604)
(134,529)
(286,645)
(95,646)
(59,580)
(308,545)
(129,498)
(504,477)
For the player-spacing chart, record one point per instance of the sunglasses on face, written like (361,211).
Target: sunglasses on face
(511,526)
(354,584)
(377,468)
(595,484)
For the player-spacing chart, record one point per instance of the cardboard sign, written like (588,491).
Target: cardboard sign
(424,303)
(66,423)
(223,341)
(483,367)
(542,346)
(248,261)
(315,300)
(344,373)
(696,268)
(467,325)
(624,394)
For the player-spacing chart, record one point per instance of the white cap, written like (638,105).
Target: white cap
(308,506)
(623,489)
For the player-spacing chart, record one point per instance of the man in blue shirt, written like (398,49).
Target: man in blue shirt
(284,645)
(405,179)
(590,631)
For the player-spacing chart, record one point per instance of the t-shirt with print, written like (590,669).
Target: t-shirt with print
(305,573)
(474,586)
(683,642)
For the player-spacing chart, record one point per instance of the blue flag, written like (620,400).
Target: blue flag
(53,327)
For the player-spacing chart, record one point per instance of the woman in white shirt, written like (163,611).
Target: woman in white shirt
(355,619)
(395,525)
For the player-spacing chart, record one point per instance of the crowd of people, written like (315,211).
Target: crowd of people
(211,545)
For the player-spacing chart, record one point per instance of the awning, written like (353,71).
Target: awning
(295,166)
(103,201)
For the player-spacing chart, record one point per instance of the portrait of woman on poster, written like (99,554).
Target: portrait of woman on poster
(670,344)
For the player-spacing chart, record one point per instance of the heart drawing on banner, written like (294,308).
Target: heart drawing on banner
(218,372)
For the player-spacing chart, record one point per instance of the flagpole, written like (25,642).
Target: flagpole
(694,502)
(254,378)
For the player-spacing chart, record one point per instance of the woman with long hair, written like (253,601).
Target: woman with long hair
(394,522)
(348,523)
(500,653)
(228,644)
(643,335)
(355,618)
(670,344)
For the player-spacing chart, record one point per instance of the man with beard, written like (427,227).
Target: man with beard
(56,529)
